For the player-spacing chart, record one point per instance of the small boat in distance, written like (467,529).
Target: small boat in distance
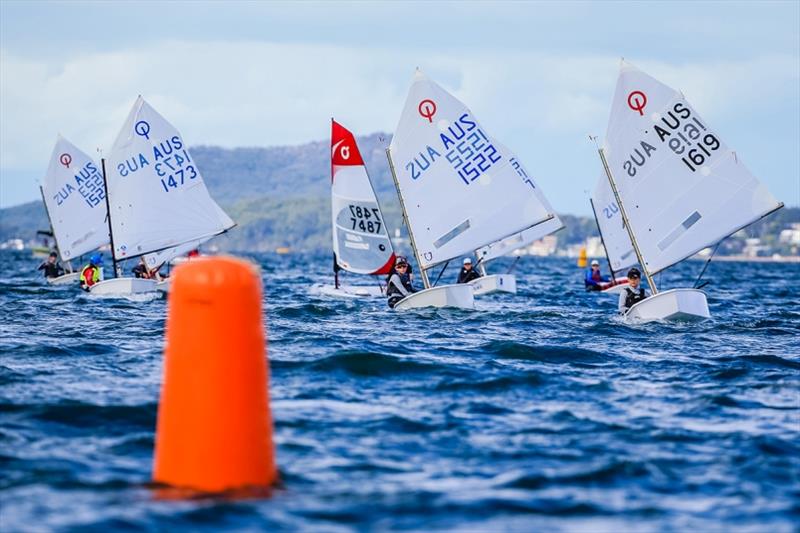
(74,200)
(159,206)
(677,186)
(361,243)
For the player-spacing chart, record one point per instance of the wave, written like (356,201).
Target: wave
(545,353)
(371,364)
(88,416)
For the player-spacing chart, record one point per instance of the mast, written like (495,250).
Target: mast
(603,242)
(108,217)
(424,274)
(639,257)
(50,221)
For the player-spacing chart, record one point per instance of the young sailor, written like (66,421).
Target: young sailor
(93,272)
(467,273)
(633,293)
(141,271)
(594,279)
(398,283)
(51,267)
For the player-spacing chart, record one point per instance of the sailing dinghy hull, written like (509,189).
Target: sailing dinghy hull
(494,283)
(66,279)
(460,295)
(686,305)
(351,291)
(620,285)
(124,287)
(163,285)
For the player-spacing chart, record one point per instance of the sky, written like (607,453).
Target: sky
(540,76)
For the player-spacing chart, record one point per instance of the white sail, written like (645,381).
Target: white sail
(361,243)
(157,259)
(75,200)
(157,196)
(460,190)
(528,236)
(609,219)
(683,189)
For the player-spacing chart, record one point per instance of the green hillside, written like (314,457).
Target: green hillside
(280,196)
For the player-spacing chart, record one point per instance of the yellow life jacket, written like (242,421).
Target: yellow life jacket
(95,275)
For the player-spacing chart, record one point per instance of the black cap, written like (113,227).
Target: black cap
(634,273)
(53,254)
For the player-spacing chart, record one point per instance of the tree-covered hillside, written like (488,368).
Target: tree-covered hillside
(280,196)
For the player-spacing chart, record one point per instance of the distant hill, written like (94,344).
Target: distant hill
(285,171)
(280,196)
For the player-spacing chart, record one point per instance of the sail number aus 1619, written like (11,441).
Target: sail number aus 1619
(694,158)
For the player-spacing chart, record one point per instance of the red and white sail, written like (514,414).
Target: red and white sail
(361,242)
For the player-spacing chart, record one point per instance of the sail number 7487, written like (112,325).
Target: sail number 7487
(365,219)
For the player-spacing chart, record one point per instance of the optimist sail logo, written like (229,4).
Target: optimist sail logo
(427,108)
(142,129)
(636,101)
(65,159)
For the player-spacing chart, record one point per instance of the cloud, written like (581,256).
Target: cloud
(259,94)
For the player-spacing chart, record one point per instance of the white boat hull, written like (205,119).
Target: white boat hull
(459,295)
(65,279)
(163,285)
(674,304)
(351,291)
(123,286)
(494,283)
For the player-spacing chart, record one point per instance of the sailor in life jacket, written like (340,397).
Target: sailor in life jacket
(398,283)
(594,280)
(467,273)
(51,267)
(93,272)
(141,271)
(633,293)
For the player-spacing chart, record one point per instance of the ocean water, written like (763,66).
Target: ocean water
(539,411)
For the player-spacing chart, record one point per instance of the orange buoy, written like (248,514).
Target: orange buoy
(582,257)
(214,430)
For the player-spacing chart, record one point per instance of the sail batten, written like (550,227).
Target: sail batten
(460,189)
(158,199)
(682,188)
(74,197)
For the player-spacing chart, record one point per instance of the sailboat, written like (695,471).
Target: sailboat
(491,283)
(361,243)
(458,190)
(678,187)
(613,236)
(158,204)
(74,199)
